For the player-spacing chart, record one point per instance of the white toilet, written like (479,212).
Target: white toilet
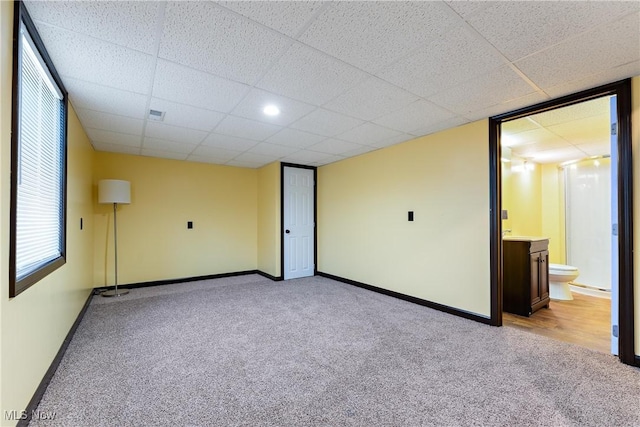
(559,277)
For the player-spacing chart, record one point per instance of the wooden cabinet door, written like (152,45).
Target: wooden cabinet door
(534,260)
(543,275)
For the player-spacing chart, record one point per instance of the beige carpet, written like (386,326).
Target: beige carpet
(314,352)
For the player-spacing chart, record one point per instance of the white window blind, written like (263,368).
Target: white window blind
(39,199)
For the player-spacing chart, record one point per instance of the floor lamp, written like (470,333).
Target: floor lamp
(114,191)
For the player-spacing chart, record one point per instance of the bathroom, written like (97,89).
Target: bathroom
(556,184)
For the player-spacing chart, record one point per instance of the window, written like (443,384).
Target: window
(38,160)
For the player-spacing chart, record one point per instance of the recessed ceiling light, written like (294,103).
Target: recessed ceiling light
(271,110)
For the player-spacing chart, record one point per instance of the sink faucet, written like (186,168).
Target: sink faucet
(505,231)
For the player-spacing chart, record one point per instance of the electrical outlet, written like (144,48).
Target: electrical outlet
(189,225)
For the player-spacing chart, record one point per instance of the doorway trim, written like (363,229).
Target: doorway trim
(622,90)
(315,215)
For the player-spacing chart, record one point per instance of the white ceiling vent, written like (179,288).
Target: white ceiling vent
(156,115)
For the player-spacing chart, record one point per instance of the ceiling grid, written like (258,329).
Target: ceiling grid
(347,77)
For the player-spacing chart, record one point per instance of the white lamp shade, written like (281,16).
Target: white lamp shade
(114,191)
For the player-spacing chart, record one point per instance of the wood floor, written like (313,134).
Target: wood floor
(585,321)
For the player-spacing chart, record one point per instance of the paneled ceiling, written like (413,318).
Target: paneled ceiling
(348,77)
(569,133)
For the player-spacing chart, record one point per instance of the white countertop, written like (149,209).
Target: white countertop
(525,238)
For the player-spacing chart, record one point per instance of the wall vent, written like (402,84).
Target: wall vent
(156,115)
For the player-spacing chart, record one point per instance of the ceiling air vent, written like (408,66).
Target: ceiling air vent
(156,115)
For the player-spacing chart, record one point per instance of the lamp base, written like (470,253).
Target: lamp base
(114,293)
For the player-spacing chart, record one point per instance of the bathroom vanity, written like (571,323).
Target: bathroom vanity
(525,274)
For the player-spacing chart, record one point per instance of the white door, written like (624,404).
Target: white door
(614,226)
(299,226)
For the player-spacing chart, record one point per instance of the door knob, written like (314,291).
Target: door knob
(287,231)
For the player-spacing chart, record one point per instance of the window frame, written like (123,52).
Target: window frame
(21,16)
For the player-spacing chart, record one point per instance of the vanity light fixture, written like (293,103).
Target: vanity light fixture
(271,110)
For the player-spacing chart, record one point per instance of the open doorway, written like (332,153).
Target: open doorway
(622,201)
(557,196)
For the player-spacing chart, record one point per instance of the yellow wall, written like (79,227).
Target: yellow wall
(443,256)
(535,201)
(153,240)
(35,323)
(269,234)
(553,216)
(635,140)
(521,196)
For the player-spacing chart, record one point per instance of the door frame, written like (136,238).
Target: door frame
(622,90)
(315,214)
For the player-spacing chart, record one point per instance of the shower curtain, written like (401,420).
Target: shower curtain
(588,221)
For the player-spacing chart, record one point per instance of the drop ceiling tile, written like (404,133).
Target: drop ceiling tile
(174,82)
(95,97)
(245,128)
(334,146)
(228,142)
(518,29)
(597,109)
(327,160)
(106,121)
(415,116)
(596,148)
(244,164)
(186,116)
(447,61)
(559,155)
(214,153)
(100,62)
(371,35)
(109,137)
(267,149)
(173,133)
(253,105)
(594,52)
(306,157)
(359,151)
(437,127)
(468,8)
(507,106)
(520,125)
(371,99)
(610,75)
(255,158)
(287,17)
(170,146)
(530,150)
(393,141)
(132,24)
(483,91)
(368,133)
(218,41)
(324,122)
(528,137)
(310,76)
(115,148)
(581,131)
(149,152)
(295,138)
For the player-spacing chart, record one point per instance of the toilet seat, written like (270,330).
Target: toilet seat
(562,267)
